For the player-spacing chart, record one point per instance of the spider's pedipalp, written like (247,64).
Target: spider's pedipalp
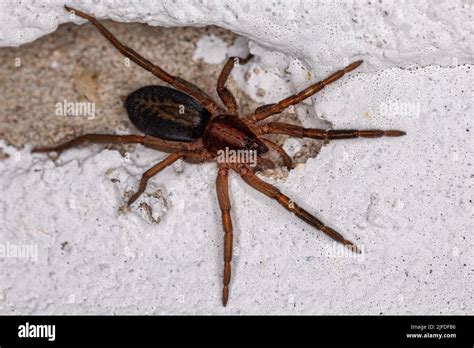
(287,161)
(271,191)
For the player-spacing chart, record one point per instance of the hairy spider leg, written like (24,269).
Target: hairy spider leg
(314,133)
(152,172)
(156,143)
(271,191)
(222,187)
(224,93)
(265,111)
(175,81)
(194,157)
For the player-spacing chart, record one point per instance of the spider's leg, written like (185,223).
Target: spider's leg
(300,132)
(267,110)
(170,146)
(287,161)
(274,193)
(194,156)
(222,187)
(153,171)
(175,81)
(93,139)
(116,139)
(224,93)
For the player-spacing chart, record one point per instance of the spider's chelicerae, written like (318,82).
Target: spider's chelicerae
(186,122)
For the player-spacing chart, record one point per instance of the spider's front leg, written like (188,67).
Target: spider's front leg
(222,187)
(224,93)
(265,111)
(314,133)
(271,191)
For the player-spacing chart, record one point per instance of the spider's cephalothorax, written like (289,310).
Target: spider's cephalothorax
(188,123)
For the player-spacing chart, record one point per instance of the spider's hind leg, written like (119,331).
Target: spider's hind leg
(287,161)
(156,143)
(93,139)
(222,187)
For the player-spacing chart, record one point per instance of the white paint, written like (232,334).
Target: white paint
(211,49)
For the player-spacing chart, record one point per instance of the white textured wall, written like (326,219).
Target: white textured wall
(407,201)
(388,33)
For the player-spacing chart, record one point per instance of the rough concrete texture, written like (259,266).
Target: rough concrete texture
(407,202)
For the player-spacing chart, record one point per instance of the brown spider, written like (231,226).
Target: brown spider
(205,128)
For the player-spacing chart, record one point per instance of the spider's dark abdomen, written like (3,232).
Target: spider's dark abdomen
(229,131)
(166,113)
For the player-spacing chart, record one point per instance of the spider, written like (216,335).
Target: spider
(205,128)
